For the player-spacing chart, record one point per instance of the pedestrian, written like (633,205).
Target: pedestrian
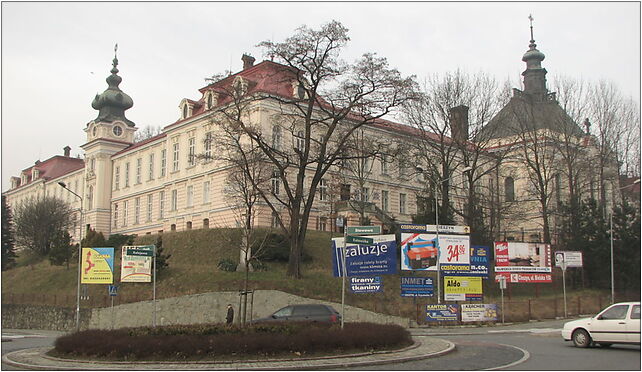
(230,314)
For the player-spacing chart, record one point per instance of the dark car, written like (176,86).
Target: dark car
(304,313)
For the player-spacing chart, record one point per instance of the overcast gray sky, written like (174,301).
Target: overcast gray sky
(56,56)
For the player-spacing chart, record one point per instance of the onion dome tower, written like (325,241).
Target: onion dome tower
(535,74)
(112,103)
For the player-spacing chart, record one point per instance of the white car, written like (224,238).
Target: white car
(617,324)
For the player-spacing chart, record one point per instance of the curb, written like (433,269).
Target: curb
(307,364)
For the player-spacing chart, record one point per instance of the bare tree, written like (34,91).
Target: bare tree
(146,133)
(454,109)
(39,220)
(333,101)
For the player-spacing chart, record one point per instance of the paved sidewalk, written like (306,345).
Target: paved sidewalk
(549,325)
(424,347)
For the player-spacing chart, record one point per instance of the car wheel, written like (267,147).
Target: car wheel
(581,338)
(603,344)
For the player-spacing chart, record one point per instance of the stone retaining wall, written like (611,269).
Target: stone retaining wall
(190,309)
(42,317)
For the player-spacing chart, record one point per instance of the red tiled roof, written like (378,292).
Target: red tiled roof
(139,144)
(54,167)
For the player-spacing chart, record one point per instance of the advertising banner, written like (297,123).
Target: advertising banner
(97,266)
(522,257)
(415,286)
(370,284)
(418,251)
(462,288)
(380,258)
(525,277)
(478,264)
(442,312)
(571,258)
(478,312)
(136,263)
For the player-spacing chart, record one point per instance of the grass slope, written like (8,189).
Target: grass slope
(193,269)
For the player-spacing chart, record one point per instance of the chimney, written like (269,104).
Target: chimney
(459,123)
(67,150)
(248,61)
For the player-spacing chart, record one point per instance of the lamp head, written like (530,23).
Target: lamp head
(62,184)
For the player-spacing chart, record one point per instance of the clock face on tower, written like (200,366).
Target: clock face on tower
(117,130)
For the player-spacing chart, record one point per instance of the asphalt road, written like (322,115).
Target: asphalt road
(484,349)
(546,348)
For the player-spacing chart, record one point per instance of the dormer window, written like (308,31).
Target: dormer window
(186,108)
(298,90)
(35,173)
(211,99)
(240,86)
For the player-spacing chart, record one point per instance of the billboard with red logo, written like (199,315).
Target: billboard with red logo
(419,251)
(522,257)
(525,277)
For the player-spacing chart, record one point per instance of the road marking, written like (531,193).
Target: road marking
(522,360)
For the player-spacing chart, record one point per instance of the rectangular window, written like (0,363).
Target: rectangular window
(206,192)
(322,223)
(190,196)
(191,153)
(402,203)
(174,205)
(139,170)
(150,199)
(163,162)
(136,211)
(275,183)
(208,145)
(299,140)
(345,192)
(125,206)
(384,164)
(176,157)
(116,215)
(384,200)
(117,178)
(161,204)
(126,174)
(151,167)
(365,194)
(323,190)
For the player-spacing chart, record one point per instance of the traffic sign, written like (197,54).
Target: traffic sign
(359,240)
(113,290)
(140,251)
(364,230)
(449,229)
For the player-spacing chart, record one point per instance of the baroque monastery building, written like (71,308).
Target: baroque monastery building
(173,181)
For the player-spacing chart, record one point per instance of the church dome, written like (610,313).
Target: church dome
(112,103)
(533,53)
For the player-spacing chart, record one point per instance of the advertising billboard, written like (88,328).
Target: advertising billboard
(97,266)
(136,264)
(478,264)
(522,257)
(416,286)
(571,258)
(478,312)
(462,288)
(370,284)
(419,251)
(525,277)
(379,258)
(442,312)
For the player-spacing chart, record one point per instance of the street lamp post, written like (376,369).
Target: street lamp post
(439,182)
(64,186)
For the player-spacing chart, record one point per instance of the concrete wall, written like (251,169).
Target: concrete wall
(200,308)
(42,317)
(211,307)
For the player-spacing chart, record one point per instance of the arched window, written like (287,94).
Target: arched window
(173,227)
(189,225)
(185,111)
(509,189)
(206,223)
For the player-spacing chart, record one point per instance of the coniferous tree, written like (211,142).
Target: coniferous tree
(62,250)
(161,259)
(8,237)
(93,239)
